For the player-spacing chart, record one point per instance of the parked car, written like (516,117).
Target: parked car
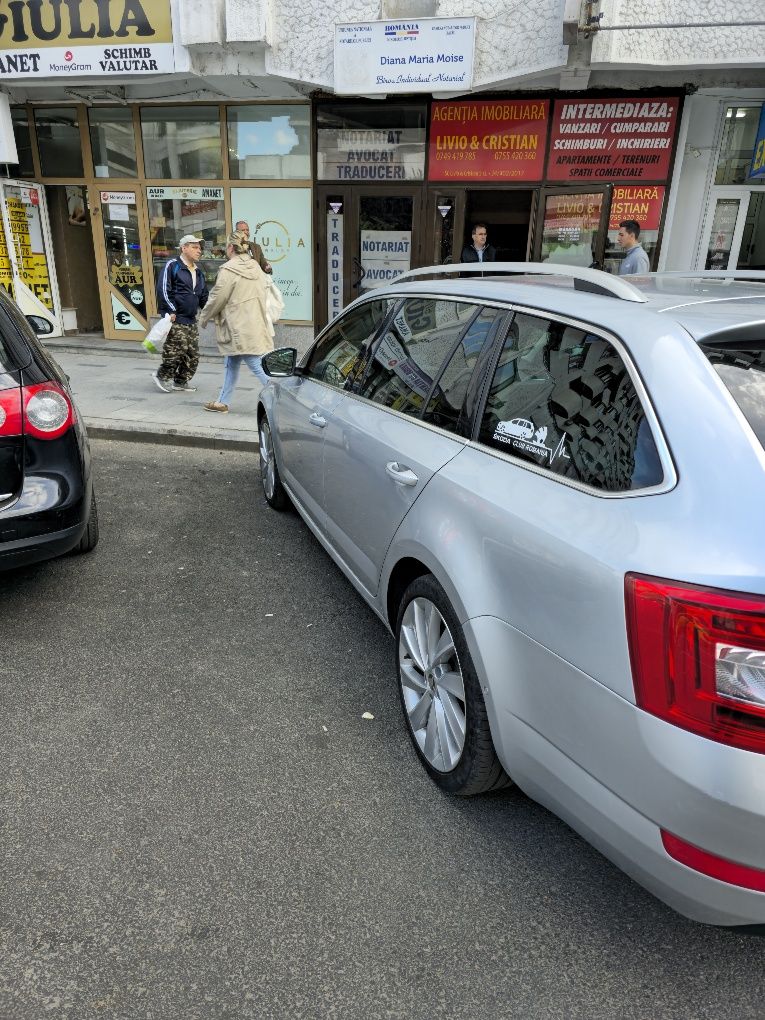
(584,613)
(47,503)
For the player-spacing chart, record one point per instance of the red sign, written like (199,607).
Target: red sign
(488,140)
(627,138)
(641,202)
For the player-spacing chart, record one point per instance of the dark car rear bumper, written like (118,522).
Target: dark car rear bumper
(23,551)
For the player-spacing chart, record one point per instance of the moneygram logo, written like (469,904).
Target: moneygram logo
(69,55)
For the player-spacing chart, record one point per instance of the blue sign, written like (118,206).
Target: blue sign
(758,159)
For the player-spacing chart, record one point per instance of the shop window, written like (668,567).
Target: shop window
(384,142)
(58,139)
(737,146)
(563,400)
(570,230)
(409,357)
(269,142)
(642,203)
(181,142)
(112,140)
(174,212)
(23,136)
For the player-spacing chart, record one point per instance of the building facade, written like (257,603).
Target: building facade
(359,142)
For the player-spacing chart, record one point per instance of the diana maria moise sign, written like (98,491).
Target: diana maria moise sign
(418,55)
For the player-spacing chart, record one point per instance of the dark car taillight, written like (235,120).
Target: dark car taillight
(698,658)
(10,412)
(48,411)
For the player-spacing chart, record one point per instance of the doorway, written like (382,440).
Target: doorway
(734,232)
(74,257)
(508,216)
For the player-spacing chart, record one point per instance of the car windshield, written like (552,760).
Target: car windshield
(742,368)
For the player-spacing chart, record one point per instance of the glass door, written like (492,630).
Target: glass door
(734,231)
(121,247)
(27,270)
(366,238)
(572,226)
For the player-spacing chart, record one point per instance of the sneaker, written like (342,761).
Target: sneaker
(213,405)
(162,384)
(184,387)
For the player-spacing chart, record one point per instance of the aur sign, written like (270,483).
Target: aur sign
(84,38)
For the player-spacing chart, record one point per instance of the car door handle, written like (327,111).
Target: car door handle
(401,473)
(317,420)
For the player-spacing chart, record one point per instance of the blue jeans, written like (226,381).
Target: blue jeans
(232,363)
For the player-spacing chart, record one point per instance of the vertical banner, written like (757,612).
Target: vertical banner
(334,261)
(23,205)
(280,221)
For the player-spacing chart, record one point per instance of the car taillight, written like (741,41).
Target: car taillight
(48,412)
(698,658)
(10,412)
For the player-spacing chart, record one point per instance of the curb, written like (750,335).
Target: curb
(100,428)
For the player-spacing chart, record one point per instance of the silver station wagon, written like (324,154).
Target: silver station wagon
(551,488)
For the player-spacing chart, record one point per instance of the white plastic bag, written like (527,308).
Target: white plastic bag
(274,304)
(158,334)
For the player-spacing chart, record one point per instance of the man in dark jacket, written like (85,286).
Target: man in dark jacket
(256,252)
(181,292)
(479,250)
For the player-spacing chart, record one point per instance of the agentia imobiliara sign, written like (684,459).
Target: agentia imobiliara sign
(84,38)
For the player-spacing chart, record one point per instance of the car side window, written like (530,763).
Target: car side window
(447,404)
(409,356)
(336,356)
(562,398)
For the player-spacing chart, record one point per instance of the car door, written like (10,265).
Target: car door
(305,401)
(386,440)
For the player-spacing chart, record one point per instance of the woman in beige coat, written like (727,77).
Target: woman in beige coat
(237,305)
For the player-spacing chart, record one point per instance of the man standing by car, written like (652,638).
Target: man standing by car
(635,261)
(255,250)
(479,250)
(181,292)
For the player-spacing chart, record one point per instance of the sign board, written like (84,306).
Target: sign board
(636,202)
(51,39)
(334,262)
(757,169)
(385,254)
(280,221)
(118,197)
(162,194)
(488,140)
(25,221)
(413,55)
(621,139)
(385,154)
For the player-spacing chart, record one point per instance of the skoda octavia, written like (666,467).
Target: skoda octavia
(550,488)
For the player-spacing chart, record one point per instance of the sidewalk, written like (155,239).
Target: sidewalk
(118,399)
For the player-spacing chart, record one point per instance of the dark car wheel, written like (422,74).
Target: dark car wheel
(441,696)
(273,489)
(89,540)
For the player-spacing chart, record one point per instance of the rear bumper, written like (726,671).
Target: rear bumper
(22,552)
(618,776)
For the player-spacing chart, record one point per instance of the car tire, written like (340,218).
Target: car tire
(273,490)
(441,695)
(89,540)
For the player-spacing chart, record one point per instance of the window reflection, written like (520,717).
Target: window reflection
(181,142)
(269,142)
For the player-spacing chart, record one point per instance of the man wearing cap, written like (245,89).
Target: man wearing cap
(181,292)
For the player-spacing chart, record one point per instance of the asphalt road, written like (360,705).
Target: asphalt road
(197,822)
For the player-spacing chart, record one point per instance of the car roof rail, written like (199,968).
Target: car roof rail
(755,275)
(593,280)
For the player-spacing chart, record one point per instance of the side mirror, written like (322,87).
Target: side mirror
(280,363)
(41,326)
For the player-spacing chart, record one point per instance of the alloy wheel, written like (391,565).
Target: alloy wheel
(432,684)
(267,462)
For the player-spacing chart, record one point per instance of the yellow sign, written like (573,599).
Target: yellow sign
(32,265)
(126,276)
(6,272)
(44,38)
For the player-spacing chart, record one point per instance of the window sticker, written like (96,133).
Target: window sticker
(522,434)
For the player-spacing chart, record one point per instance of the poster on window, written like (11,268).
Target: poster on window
(280,222)
(385,254)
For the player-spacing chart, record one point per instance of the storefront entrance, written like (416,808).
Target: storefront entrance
(734,233)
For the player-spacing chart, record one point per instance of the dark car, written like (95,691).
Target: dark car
(47,504)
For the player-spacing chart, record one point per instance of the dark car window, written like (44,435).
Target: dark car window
(742,369)
(562,398)
(409,356)
(447,404)
(336,355)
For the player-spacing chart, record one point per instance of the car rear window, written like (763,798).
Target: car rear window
(742,368)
